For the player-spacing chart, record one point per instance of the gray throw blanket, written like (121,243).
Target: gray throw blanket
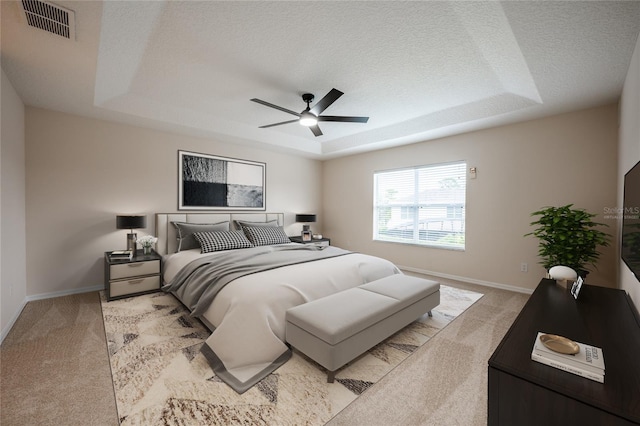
(201,280)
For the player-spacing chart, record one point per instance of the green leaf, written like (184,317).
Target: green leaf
(567,236)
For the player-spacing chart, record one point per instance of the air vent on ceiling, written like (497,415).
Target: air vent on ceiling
(50,17)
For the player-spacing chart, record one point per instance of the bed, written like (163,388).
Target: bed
(242,294)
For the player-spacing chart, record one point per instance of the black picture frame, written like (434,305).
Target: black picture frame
(211,182)
(306,236)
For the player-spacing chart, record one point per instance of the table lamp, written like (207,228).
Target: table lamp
(131,222)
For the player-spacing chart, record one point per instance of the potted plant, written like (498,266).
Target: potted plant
(568,237)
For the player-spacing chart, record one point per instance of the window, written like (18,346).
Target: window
(422,205)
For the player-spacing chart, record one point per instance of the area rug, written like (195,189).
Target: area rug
(160,376)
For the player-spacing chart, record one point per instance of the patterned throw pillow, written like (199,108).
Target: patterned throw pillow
(211,241)
(265,235)
(186,240)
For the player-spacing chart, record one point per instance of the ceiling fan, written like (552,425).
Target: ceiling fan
(311,116)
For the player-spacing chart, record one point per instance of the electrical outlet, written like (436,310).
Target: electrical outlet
(524,267)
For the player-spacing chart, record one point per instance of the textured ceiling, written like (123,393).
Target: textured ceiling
(419,70)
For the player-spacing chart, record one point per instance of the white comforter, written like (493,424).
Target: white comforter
(249,313)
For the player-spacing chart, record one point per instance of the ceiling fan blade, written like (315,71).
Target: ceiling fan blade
(270,105)
(316,130)
(343,119)
(278,124)
(325,102)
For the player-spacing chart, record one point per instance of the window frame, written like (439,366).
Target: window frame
(417,203)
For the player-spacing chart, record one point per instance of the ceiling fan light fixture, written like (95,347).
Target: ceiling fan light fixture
(311,116)
(308,119)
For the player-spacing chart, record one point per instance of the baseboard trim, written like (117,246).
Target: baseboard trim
(13,320)
(467,280)
(64,293)
(41,296)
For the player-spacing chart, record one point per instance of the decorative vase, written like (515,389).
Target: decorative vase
(146,249)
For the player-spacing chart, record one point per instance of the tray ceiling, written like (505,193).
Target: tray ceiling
(419,70)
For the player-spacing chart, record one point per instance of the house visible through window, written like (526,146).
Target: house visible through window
(421,205)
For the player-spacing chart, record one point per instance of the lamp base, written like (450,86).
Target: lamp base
(131,242)
(306,233)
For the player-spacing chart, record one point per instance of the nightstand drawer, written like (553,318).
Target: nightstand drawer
(134,269)
(135,285)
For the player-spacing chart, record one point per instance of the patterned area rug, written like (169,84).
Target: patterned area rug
(160,376)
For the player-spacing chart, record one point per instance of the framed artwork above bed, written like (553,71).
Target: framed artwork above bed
(209,182)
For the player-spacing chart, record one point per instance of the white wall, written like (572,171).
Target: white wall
(82,172)
(568,158)
(13,281)
(629,153)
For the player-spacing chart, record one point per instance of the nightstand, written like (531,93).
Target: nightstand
(140,275)
(320,242)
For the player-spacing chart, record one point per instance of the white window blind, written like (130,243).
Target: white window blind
(421,205)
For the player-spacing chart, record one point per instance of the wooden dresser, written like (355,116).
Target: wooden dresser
(525,392)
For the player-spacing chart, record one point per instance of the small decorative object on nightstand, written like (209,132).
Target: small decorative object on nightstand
(147,242)
(320,242)
(131,222)
(125,278)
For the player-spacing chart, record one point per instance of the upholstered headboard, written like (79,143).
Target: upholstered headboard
(168,236)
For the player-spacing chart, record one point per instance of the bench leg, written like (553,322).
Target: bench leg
(430,313)
(331,375)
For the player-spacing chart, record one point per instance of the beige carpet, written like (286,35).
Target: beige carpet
(47,378)
(55,367)
(161,377)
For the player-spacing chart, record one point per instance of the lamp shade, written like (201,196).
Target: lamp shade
(305,218)
(131,222)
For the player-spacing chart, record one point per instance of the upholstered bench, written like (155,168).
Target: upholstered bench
(336,329)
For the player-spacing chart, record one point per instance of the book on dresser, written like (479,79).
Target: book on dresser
(588,362)
(121,255)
